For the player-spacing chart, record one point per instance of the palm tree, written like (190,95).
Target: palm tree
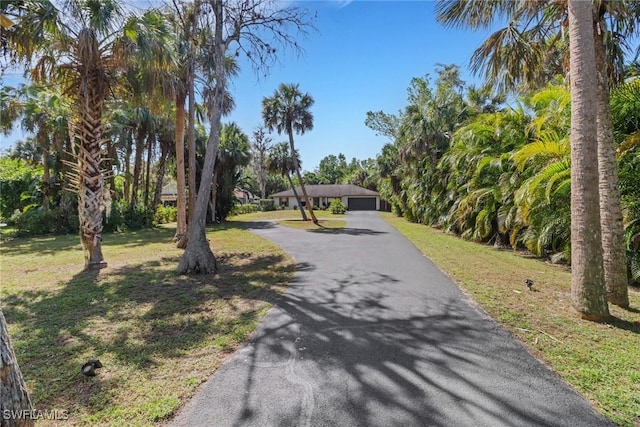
(183,20)
(288,110)
(166,140)
(613,238)
(482,177)
(45,113)
(245,26)
(533,37)
(587,272)
(143,123)
(232,153)
(282,162)
(15,398)
(10,108)
(260,147)
(87,42)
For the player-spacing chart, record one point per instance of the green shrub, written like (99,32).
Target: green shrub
(123,217)
(337,207)
(267,205)
(115,220)
(244,209)
(19,184)
(34,222)
(138,217)
(165,215)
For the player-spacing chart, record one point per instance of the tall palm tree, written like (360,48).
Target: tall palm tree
(166,139)
(525,52)
(15,398)
(87,42)
(587,272)
(260,147)
(183,20)
(234,152)
(282,162)
(613,237)
(288,110)
(251,27)
(45,113)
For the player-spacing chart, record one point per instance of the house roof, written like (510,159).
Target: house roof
(330,190)
(170,188)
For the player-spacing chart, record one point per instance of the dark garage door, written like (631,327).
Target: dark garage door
(362,203)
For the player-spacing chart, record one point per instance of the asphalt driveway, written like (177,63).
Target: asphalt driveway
(371,333)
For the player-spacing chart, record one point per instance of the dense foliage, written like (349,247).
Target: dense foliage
(19,185)
(496,173)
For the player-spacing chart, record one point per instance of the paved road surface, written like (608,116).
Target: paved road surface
(371,333)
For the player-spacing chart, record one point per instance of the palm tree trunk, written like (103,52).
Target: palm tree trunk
(147,174)
(214,193)
(14,398)
(295,193)
(191,138)
(198,257)
(181,228)
(137,167)
(612,227)
(46,172)
(588,294)
(297,168)
(162,167)
(112,156)
(88,134)
(127,168)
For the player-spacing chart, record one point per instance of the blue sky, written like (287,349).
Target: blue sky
(362,58)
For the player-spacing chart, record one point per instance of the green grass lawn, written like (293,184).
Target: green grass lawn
(283,214)
(157,334)
(598,360)
(160,335)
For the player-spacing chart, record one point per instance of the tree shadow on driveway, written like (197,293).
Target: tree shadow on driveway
(340,354)
(349,231)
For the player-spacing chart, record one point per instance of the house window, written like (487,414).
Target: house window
(284,201)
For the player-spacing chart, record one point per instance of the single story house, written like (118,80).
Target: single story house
(169,196)
(244,196)
(354,197)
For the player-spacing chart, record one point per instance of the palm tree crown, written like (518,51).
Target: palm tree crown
(287,109)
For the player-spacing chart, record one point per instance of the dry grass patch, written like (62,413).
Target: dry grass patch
(599,360)
(158,335)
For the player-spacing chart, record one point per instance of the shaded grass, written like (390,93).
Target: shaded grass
(157,334)
(599,360)
(309,225)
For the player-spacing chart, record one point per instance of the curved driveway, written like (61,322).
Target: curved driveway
(371,333)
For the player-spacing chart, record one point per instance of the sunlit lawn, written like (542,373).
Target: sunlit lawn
(157,334)
(599,360)
(282,214)
(160,335)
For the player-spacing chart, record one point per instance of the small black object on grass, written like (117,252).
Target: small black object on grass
(529,284)
(89,368)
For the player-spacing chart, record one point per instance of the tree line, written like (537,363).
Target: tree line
(553,171)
